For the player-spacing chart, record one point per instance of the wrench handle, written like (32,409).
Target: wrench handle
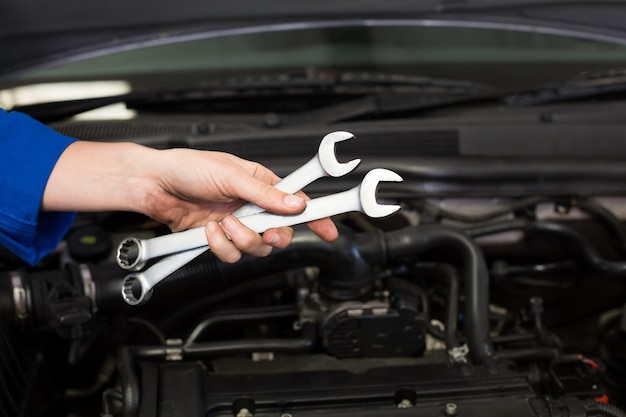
(196,237)
(292,183)
(137,287)
(316,209)
(134,253)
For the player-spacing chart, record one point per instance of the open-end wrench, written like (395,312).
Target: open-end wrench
(324,163)
(137,287)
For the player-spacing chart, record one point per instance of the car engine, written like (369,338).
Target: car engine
(457,305)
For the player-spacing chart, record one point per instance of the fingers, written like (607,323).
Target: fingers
(270,198)
(324,228)
(278,238)
(277,201)
(230,239)
(281,238)
(220,245)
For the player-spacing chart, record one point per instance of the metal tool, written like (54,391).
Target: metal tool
(138,286)
(324,163)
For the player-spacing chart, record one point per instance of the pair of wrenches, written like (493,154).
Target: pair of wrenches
(182,247)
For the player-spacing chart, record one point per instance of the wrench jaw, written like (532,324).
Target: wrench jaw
(134,289)
(367,192)
(129,254)
(133,253)
(323,164)
(328,158)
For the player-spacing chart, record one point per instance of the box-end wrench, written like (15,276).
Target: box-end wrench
(137,287)
(324,163)
(133,255)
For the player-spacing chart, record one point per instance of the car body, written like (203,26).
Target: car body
(497,289)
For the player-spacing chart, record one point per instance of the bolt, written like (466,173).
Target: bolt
(244,412)
(273,120)
(286,415)
(405,404)
(451,409)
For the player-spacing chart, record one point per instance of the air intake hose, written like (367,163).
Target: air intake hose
(396,246)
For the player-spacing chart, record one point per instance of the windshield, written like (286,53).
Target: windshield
(499,57)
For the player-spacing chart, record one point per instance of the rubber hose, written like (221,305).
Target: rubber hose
(589,254)
(607,409)
(202,350)
(240,316)
(202,304)
(606,217)
(398,245)
(130,385)
(449,274)
(344,274)
(536,353)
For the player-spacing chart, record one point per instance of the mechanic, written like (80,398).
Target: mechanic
(46,177)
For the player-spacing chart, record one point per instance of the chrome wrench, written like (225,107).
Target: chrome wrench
(137,287)
(324,163)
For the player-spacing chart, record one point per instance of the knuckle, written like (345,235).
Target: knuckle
(231,256)
(247,241)
(286,236)
(265,252)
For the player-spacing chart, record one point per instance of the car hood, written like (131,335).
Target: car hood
(37,34)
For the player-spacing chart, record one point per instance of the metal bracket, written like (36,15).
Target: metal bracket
(458,355)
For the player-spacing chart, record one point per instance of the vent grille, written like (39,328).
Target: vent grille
(113,131)
(106,131)
(424,143)
(250,143)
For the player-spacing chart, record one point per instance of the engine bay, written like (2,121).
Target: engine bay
(456,305)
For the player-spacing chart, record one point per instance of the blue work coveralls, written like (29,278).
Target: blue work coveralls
(28,152)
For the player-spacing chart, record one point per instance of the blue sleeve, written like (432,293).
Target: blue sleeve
(28,152)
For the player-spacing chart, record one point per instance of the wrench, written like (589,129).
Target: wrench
(324,163)
(137,287)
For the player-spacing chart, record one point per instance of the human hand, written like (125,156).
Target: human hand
(203,188)
(181,188)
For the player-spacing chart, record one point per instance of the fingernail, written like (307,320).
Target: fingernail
(227,225)
(274,239)
(211,227)
(293,200)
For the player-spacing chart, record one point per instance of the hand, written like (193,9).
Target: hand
(206,186)
(181,188)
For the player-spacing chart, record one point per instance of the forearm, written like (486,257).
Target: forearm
(91,176)
(180,188)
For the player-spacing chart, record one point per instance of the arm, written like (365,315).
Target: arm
(181,188)
(28,151)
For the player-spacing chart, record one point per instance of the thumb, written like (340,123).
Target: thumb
(272,199)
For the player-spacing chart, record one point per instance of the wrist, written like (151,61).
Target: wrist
(146,189)
(137,177)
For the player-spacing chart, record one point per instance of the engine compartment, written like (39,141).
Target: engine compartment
(516,308)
